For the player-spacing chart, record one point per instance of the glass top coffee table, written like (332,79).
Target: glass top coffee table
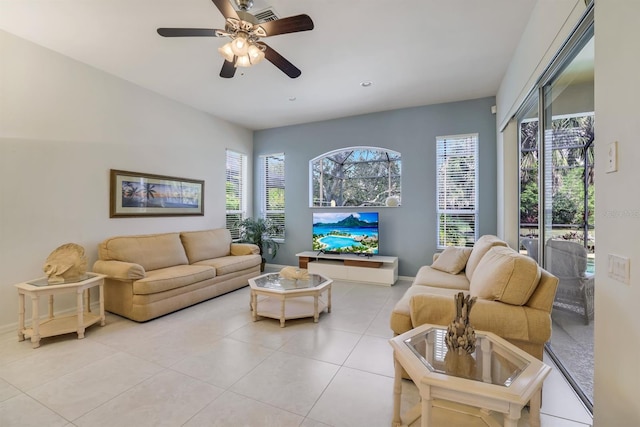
(497,376)
(290,298)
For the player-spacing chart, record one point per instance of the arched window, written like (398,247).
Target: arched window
(356,176)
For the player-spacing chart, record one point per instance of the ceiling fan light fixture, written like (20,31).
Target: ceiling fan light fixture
(240,45)
(243,61)
(255,54)
(226,52)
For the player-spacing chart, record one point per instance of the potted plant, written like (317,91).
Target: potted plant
(259,231)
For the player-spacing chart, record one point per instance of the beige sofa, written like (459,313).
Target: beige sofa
(152,275)
(515,295)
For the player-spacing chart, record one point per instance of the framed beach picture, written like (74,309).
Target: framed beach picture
(142,194)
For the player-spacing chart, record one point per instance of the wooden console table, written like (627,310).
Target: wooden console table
(381,270)
(77,322)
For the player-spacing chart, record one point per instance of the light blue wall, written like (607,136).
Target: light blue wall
(409,231)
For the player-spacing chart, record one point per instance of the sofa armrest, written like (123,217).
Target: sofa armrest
(119,270)
(505,320)
(244,249)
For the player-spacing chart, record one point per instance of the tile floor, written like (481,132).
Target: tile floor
(210,365)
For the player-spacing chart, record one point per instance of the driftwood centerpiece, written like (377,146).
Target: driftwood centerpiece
(461,337)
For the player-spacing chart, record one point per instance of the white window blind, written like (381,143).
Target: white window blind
(236,198)
(457,177)
(272,208)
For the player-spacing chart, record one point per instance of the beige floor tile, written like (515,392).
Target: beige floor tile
(52,360)
(224,363)
(268,333)
(562,401)
(349,400)
(287,381)
(308,422)
(232,409)
(23,411)
(79,392)
(167,399)
(372,354)
(171,347)
(7,391)
(328,345)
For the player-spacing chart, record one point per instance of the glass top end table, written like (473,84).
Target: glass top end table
(496,377)
(491,362)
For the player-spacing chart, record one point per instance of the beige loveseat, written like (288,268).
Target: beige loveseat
(152,275)
(515,295)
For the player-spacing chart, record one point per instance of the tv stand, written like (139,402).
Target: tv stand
(381,270)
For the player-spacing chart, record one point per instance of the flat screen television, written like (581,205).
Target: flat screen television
(346,232)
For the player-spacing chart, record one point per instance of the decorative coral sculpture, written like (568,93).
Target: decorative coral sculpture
(461,337)
(66,263)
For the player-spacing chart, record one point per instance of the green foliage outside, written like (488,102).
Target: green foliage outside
(571,178)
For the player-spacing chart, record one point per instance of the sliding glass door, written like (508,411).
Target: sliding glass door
(556,136)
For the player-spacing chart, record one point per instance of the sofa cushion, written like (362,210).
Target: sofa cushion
(428,276)
(505,275)
(166,279)
(452,260)
(480,248)
(231,264)
(152,251)
(206,244)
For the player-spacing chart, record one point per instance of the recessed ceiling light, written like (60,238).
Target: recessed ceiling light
(292,98)
(366,84)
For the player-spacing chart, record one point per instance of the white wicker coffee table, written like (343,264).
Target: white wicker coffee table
(289,298)
(498,377)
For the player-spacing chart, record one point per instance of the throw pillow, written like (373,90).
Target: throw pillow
(480,248)
(452,260)
(240,249)
(505,275)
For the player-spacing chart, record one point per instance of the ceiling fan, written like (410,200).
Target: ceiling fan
(245,48)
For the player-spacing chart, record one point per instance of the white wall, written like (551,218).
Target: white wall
(63,126)
(617,329)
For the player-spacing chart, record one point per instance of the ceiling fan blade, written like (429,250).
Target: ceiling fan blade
(187,32)
(279,61)
(292,24)
(228,70)
(226,9)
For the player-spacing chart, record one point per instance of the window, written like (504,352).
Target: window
(356,176)
(272,191)
(236,197)
(456,162)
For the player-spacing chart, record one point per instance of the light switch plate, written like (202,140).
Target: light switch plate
(619,268)
(612,157)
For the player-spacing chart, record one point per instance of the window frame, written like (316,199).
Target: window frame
(393,197)
(265,178)
(443,210)
(241,194)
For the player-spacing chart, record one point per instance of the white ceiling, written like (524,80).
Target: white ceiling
(416,52)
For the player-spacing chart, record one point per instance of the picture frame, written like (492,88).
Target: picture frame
(135,194)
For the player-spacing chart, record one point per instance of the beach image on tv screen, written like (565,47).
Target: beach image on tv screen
(345,232)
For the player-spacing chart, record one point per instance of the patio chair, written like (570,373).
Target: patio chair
(531,245)
(567,261)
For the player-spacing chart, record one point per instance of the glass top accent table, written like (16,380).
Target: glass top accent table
(497,376)
(78,322)
(285,298)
